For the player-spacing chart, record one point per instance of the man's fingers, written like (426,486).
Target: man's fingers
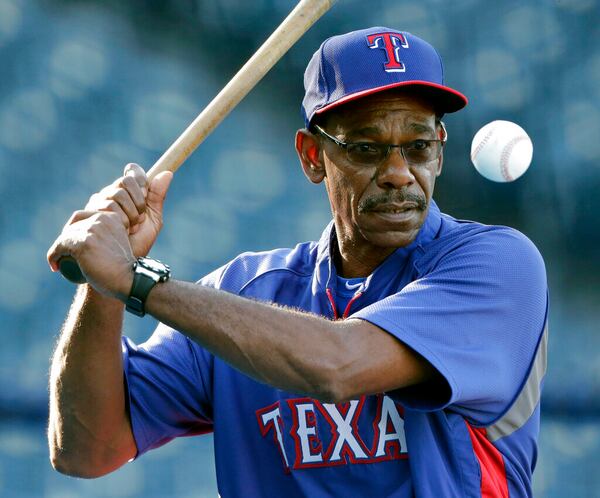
(113,206)
(76,235)
(136,192)
(82,214)
(56,251)
(116,200)
(68,241)
(119,205)
(158,190)
(125,196)
(65,244)
(138,173)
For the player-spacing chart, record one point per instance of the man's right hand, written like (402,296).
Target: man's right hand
(139,204)
(119,223)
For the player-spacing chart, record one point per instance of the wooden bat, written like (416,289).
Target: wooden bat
(304,15)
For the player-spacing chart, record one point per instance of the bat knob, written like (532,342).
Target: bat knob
(70,270)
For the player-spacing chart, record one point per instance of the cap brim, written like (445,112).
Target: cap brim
(444,98)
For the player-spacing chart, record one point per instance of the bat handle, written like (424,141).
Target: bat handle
(70,270)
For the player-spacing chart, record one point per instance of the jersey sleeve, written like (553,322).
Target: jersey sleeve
(477,315)
(168,382)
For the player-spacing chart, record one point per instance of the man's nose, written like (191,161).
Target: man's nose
(395,172)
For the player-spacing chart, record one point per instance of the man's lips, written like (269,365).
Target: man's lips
(393,208)
(393,202)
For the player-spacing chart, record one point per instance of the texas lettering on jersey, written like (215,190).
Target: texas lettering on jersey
(366,430)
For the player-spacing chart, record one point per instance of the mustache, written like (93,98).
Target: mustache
(397,196)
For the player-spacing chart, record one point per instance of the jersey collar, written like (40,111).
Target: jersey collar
(326,274)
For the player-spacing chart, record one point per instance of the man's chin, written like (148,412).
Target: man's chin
(393,240)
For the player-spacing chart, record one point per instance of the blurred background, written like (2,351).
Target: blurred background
(89,85)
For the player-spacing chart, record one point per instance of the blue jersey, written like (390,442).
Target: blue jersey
(470,298)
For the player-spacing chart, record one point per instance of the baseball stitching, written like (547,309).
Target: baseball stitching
(506,152)
(481,144)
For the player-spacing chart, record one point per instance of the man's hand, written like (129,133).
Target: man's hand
(119,223)
(140,205)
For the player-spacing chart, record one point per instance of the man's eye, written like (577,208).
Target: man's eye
(364,148)
(418,145)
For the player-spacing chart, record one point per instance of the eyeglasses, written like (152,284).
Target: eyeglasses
(414,153)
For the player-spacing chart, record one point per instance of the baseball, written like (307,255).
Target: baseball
(501,151)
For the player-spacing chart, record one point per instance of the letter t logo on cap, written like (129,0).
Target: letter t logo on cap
(391,43)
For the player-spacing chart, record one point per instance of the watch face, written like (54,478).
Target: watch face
(153,265)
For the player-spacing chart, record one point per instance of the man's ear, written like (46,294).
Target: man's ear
(309,152)
(442,134)
(440,164)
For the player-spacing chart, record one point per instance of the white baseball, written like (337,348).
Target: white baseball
(501,151)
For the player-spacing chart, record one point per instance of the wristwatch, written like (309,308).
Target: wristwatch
(147,272)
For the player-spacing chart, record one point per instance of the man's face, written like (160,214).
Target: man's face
(379,207)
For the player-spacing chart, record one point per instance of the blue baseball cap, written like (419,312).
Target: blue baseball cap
(356,64)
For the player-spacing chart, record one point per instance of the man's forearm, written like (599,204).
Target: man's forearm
(288,349)
(88,421)
(266,342)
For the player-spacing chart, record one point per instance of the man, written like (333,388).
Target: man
(401,355)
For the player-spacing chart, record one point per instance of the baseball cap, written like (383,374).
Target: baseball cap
(356,64)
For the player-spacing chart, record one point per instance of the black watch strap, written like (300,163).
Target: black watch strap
(141,287)
(147,273)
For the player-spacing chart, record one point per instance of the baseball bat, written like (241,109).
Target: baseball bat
(304,15)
